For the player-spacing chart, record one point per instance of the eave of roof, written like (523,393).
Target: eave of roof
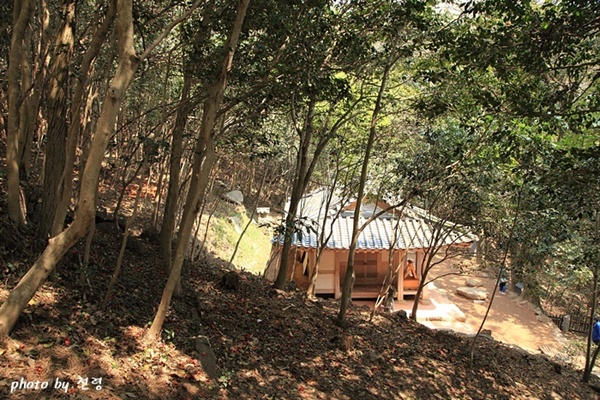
(416,229)
(385,233)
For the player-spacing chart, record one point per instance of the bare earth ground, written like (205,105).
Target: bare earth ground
(266,344)
(512,319)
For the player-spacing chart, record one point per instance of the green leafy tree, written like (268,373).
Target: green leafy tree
(530,70)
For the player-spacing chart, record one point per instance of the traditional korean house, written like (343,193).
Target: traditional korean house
(394,235)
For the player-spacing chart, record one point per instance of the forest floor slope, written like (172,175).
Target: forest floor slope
(266,343)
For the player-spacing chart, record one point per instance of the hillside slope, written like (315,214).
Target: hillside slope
(227,223)
(252,342)
(267,344)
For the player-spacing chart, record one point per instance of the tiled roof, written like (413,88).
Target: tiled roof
(415,230)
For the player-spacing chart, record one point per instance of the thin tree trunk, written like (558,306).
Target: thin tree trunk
(298,188)
(302,174)
(168,224)
(258,192)
(88,127)
(86,254)
(199,220)
(169,216)
(41,47)
(159,189)
(589,363)
(212,212)
(502,267)
(392,274)
(113,280)
(591,360)
(40,70)
(350,276)
(203,162)
(23,9)
(312,283)
(26,117)
(65,187)
(184,109)
(148,183)
(163,129)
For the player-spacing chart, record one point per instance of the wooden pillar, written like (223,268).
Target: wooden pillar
(401,261)
(273,266)
(421,259)
(336,278)
(395,264)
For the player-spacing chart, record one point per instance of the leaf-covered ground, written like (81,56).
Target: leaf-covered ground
(267,344)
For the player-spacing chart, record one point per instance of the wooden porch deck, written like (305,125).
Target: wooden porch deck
(366,291)
(372,291)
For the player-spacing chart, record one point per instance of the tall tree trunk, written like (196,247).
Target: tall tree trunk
(32,103)
(589,359)
(184,109)
(302,175)
(350,276)
(156,201)
(23,9)
(323,240)
(168,224)
(26,114)
(57,117)
(159,189)
(36,68)
(298,187)
(203,161)
(65,187)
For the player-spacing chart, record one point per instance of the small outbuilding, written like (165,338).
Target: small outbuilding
(393,237)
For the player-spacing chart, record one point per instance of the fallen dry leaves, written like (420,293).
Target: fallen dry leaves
(268,344)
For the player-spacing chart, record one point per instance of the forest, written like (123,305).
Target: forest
(123,119)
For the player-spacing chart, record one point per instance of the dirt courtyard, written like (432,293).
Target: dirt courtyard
(511,319)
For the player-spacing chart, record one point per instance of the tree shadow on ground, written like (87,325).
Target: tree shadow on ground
(267,343)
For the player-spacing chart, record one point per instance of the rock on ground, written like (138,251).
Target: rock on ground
(474,282)
(235,196)
(472,293)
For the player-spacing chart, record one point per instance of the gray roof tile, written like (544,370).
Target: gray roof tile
(416,229)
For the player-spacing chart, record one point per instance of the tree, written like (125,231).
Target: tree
(408,21)
(333,189)
(22,11)
(349,277)
(185,107)
(203,162)
(531,69)
(65,185)
(84,216)
(58,127)
(444,205)
(322,100)
(305,166)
